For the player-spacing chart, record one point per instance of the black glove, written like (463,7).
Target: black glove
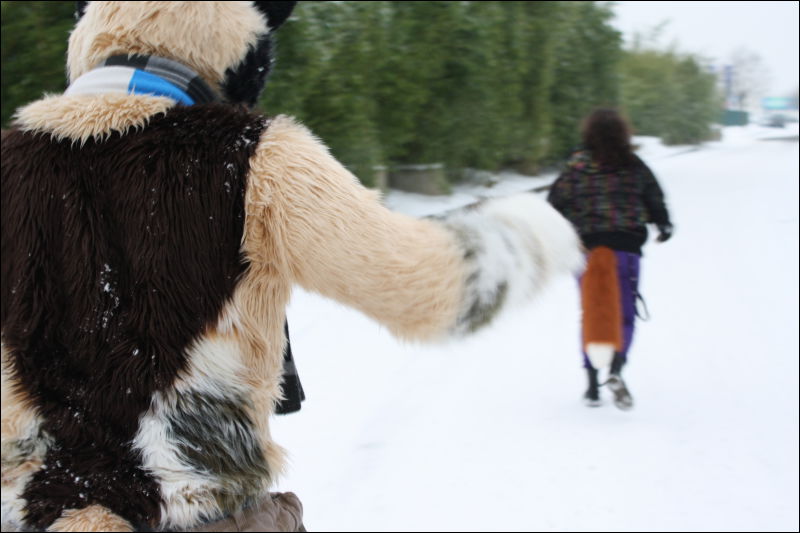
(664,232)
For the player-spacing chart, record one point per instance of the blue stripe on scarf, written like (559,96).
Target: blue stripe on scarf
(145,83)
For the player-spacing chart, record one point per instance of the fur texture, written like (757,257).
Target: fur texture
(600,354)
(602,311)
(512,248)
(80,118)
(237,63)
(213,38)
(332,236)
(435,277)
(24,445)
(92,518)
(276,13)
(200,438)
(149,289)
(148,254)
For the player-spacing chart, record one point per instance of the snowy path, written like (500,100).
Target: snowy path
(490,434)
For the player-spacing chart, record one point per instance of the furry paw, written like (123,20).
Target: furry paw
(512,248)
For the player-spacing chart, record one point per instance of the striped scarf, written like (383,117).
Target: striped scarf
(142,74)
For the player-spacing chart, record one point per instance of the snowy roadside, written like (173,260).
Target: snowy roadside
(489,434)
(506,183)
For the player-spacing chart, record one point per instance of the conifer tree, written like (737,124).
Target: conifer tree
(668,95)
(468,84)
(587,53)
(34,44)
(533,33)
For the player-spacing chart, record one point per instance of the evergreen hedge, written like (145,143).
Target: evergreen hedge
(478,85)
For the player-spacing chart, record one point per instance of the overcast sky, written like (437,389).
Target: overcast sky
(716,29)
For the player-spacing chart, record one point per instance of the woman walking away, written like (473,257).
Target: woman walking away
(609,195)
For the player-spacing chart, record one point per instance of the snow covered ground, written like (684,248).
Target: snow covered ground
(490,433)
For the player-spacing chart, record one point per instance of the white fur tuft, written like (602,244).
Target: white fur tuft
(186,495)
(215,369)
(513,247)
(528,213)
(24,447)
(600,354)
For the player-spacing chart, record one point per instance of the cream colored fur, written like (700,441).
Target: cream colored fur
(332,236)
(209,37)
(92,518)
(20,429)
(82,117)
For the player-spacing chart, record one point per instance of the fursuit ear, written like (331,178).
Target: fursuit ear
(276,12)
(80,9)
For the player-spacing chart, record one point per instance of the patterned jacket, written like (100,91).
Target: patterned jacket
(615,202)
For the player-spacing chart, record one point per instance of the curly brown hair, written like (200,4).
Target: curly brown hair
(607,134)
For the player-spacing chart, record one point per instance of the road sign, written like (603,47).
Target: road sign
(776,103)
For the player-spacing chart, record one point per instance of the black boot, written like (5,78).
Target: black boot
(616,364)
(592,396)
(622,397)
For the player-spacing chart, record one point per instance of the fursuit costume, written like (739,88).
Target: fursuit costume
(153,226)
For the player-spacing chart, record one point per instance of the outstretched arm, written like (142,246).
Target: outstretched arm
(421,278)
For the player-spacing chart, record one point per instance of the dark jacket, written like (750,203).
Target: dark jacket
(609,206)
